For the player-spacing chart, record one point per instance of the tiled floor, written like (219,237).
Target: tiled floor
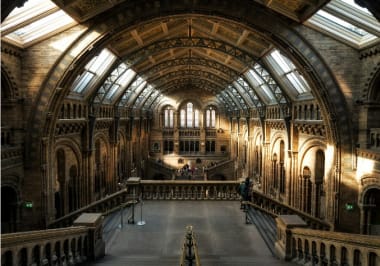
(219,226)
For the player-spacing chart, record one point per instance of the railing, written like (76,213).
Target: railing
(189,190)
(161,168)
(105,206)
(219,168)
(190,249)
(67,246)
(275,207)
(316,247)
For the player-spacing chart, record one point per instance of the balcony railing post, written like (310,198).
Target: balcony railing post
(94,221)
(283,244)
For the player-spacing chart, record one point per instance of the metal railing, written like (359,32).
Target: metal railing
(189,255)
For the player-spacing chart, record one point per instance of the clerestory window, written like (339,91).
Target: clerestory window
(189,117)
(210,117)
(168,118)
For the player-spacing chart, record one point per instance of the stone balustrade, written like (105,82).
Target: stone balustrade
(49,247)
(189,190)
(64,246)
(316,247)
(275,207)
(105,206)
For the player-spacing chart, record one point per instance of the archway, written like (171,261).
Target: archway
(371,206)
(9,210)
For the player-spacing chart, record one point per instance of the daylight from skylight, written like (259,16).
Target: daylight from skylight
(347,22)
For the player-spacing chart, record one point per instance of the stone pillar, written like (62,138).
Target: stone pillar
(96,245)
(283,245)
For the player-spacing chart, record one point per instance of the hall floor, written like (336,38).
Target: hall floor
(223,237)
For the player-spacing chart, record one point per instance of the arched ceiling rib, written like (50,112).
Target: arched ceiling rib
(198,62)
(183,52)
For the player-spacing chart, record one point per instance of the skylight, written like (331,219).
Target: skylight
(122,80)
(260,86)
(347,22)
(93,70)
(288,73)
(36,20)
(355,6)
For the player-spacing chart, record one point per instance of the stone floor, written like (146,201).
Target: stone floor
(219,227)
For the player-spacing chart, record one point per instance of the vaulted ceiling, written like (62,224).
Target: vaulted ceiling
(212,56)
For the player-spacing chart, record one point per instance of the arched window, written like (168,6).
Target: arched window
(210,117)
(282,167)
(319,175)
(306,190)
(189,117)
(168,118)
(196,118)
(183,118)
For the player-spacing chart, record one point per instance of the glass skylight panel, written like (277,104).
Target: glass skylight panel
(126,77)
(93,70)
(256,78)
(28,11)
(43,26)
(347,22)
(288,72)
(354,5)
(342,23)
(82,81)
(122,80)
(112,90)
(101,62)
(298,82)
(280,60)
(260,86)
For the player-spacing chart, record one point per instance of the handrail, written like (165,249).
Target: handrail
(189,190)
(13,239)
(63,246)
(308,246)
(189,249)
(105,205)
(275,207)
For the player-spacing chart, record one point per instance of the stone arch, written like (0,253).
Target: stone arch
(102,180)
(121,156)
(280,35)
(65,186)
(9,89)
(10,208)
(310,153)
(369,185)
(329,95)
(305,147)
(277,152)
(371,92)
(257,141)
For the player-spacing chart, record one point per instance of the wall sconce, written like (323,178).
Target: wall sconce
(202,143)
(176,143)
